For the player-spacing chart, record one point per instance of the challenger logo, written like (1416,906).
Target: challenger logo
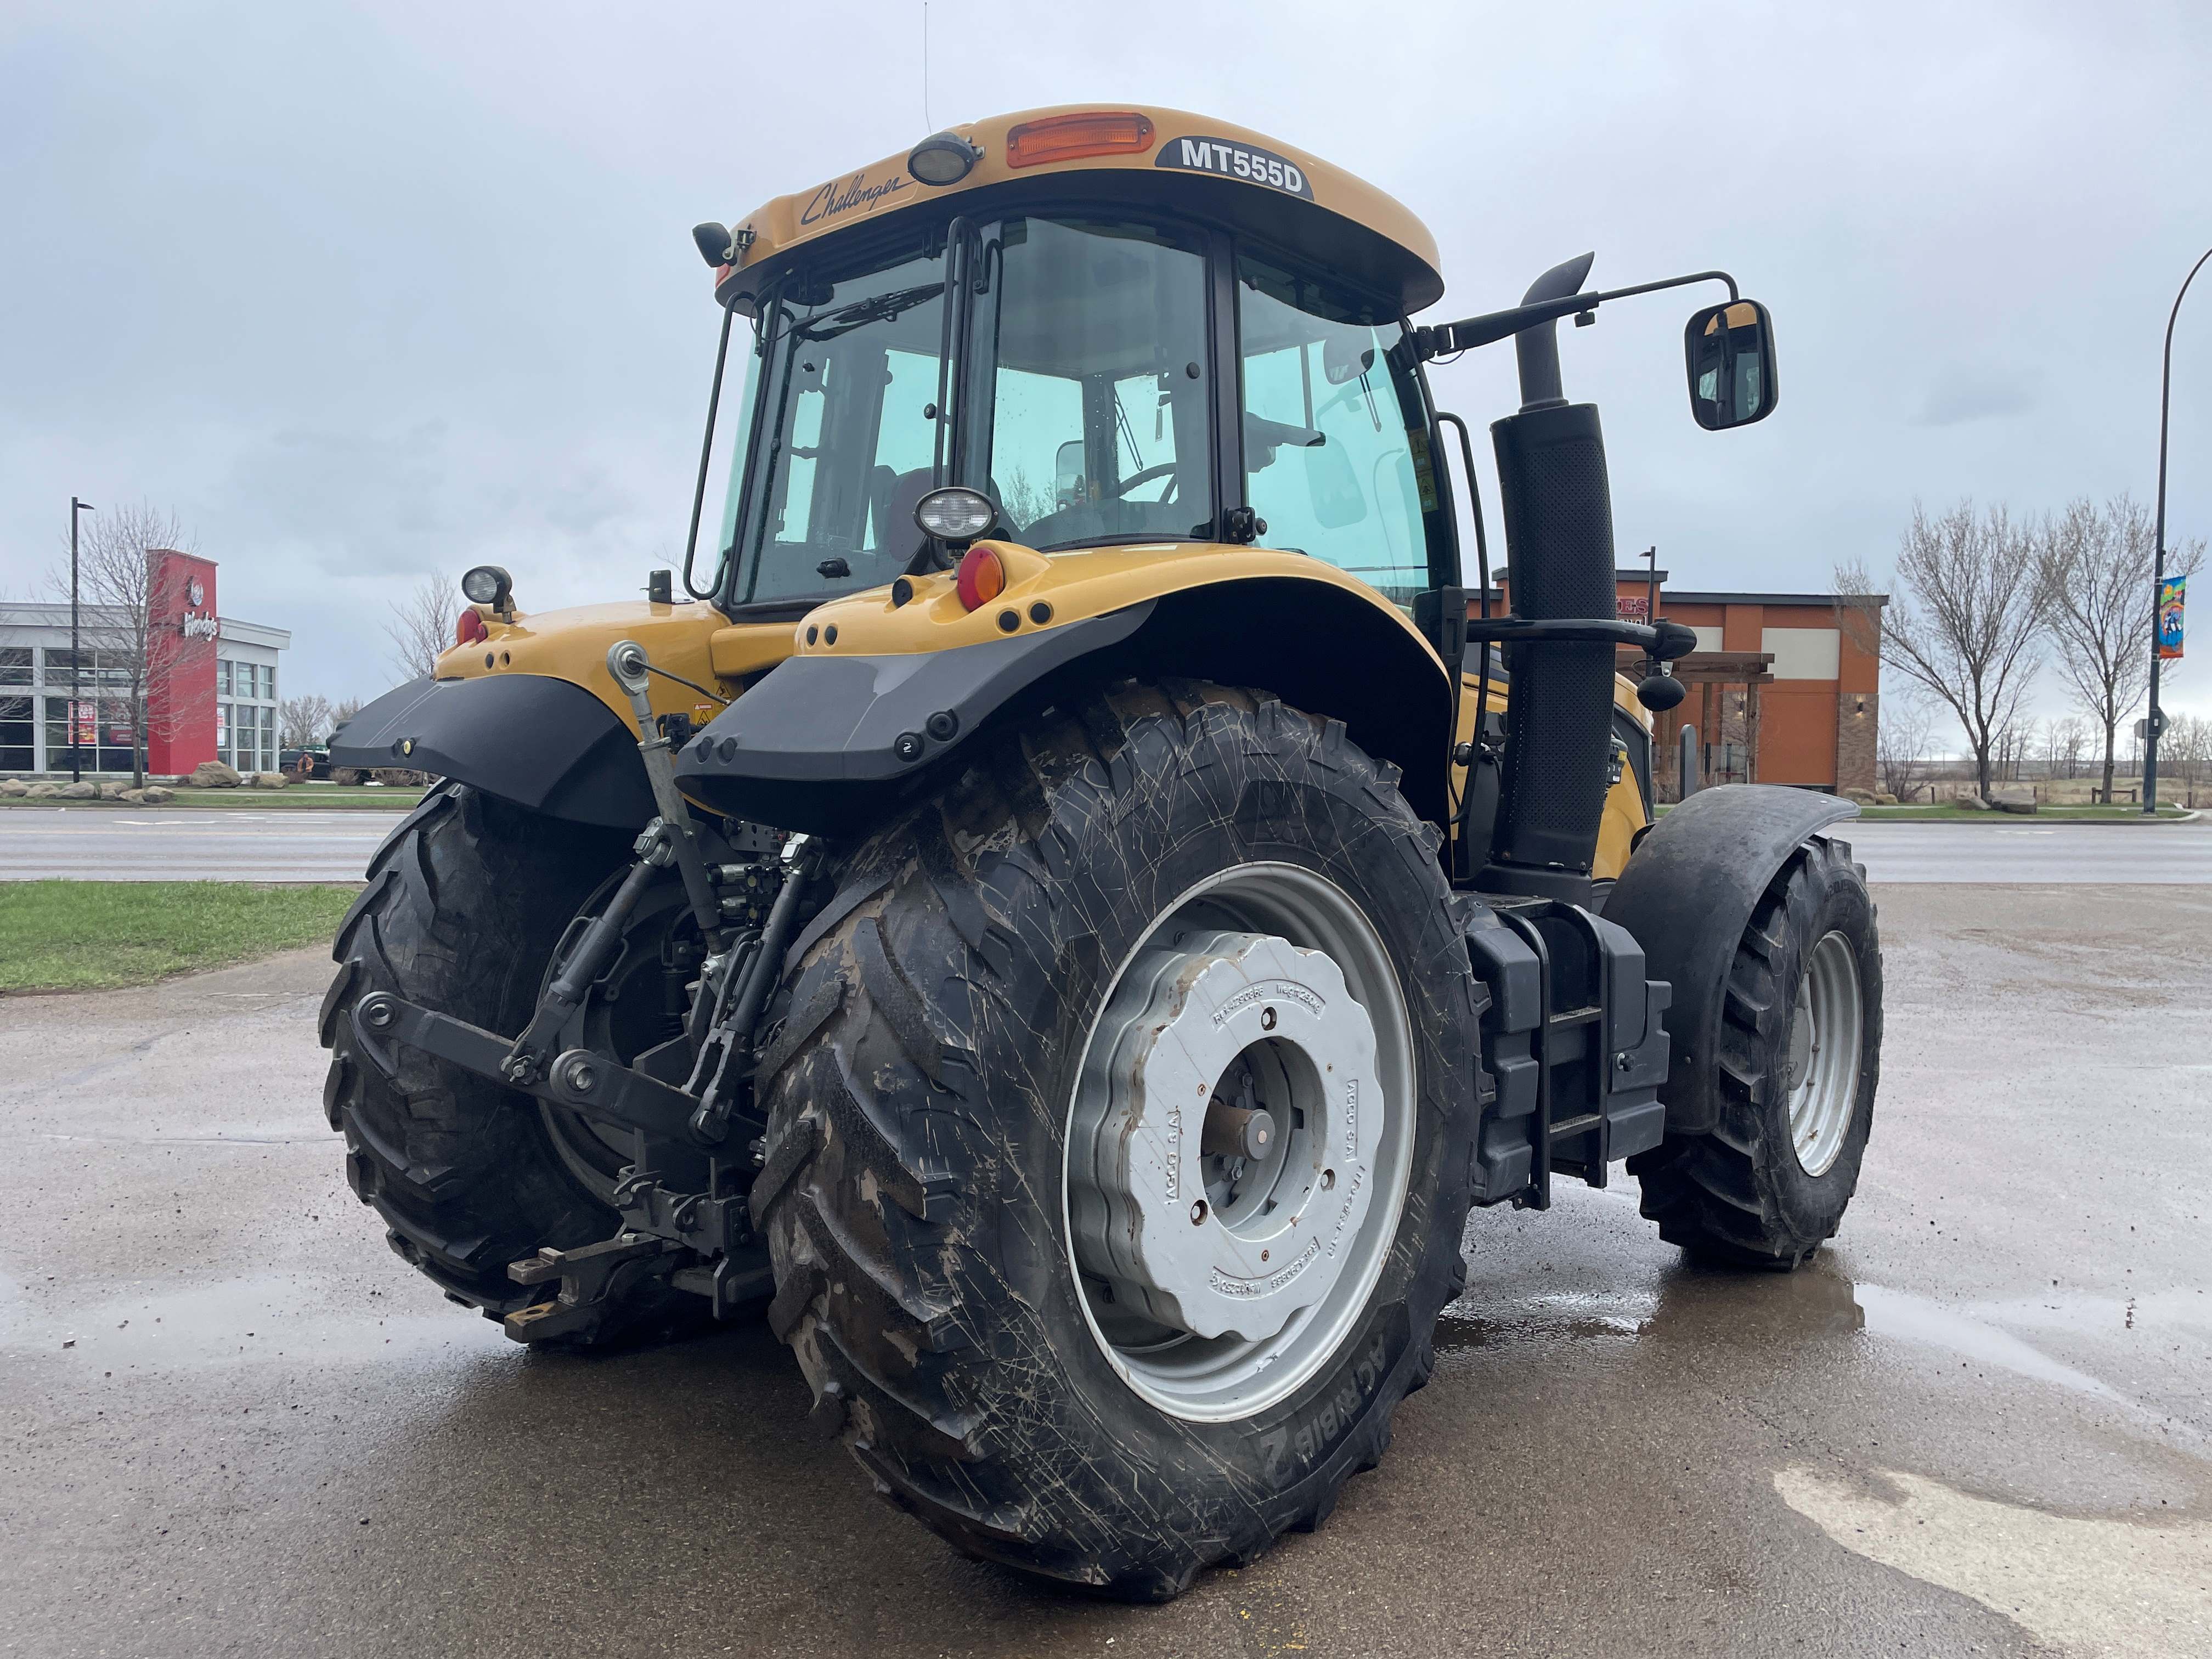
(1229,160)
(844,195)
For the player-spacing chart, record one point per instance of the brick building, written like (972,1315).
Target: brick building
(1783,688)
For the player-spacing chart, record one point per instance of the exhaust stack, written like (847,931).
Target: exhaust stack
(1558,510)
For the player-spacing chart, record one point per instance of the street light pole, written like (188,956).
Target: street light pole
(76,650)
(2158,552)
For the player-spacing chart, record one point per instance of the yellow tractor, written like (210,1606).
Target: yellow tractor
(1065,918)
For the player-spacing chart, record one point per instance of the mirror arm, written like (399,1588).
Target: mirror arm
(1442,338)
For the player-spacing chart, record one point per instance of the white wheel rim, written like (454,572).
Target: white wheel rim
(1260,940)
(1822,1063)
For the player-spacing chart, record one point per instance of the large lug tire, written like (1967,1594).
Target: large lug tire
(1799,1058)
(921,1090)
(465,902)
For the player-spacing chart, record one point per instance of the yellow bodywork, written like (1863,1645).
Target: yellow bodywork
(1624,803)
(870,194)
(695,640)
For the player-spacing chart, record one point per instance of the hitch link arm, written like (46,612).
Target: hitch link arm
(632,670)
(592,1085)
(524,1062)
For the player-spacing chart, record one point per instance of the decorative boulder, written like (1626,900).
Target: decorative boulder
(213,775)
(81,790)
(14,786)
(154,795)
(269,780)
(113,791)
(400,777)
(41,792)
(132,797)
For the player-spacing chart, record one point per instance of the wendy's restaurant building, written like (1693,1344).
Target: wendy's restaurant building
(208,682)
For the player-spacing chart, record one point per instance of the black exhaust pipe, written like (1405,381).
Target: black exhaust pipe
(1558,718)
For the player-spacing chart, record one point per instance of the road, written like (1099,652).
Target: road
(2023,850)
(170,843)
(1978,1423)
(292,844)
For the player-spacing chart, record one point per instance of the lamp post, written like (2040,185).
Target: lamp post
(76,665)
(2158,550)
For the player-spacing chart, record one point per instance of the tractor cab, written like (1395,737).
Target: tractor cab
(1128,328)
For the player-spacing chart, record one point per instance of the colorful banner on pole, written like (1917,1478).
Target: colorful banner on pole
(2169,618)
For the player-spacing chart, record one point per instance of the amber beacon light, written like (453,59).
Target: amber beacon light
(1067,137)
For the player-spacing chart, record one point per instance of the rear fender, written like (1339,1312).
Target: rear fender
(1687,895)
(828,743)
(545,744)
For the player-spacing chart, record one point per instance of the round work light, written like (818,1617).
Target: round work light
(955,513)
(943,158)
(487,585)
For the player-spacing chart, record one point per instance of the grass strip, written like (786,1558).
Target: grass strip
(90,935)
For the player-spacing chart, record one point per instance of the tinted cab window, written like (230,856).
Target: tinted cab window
(1336,450)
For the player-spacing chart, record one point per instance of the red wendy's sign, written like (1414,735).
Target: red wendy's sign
(181,653)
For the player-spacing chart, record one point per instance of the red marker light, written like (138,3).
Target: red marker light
(982,578)
(469,628)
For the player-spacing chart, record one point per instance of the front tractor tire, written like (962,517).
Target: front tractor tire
(1119,1136)
(1800,1057)
(465,902)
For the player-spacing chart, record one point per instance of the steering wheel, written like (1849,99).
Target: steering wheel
(1145,477)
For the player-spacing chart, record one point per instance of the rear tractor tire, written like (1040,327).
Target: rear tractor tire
(1800,1057)
(1119,1136)
(466,900)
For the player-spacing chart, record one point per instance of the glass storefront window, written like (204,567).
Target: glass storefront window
(18,729)
(104,735)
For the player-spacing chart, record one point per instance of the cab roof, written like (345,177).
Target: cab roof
(1195,166)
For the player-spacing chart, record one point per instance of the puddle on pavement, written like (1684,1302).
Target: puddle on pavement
(1918,1319)
(1815,1303)
(239,1322)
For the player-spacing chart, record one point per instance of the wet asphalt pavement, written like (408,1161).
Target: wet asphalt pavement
(1980,1423)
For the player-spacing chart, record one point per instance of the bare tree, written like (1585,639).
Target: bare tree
(1901,744)
(2069,738)
(421,624)
(1966,622)
(144,665)
(2094,565)
(302,719)
(2187,747)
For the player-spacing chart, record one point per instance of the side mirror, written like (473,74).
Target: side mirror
(1730,353)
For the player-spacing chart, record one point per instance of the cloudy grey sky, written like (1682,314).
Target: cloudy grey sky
(361,292)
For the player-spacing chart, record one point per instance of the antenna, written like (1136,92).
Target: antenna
(927,124)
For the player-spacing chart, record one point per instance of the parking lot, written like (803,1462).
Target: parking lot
(1979,1423)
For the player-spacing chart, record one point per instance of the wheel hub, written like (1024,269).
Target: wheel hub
(1227,1159)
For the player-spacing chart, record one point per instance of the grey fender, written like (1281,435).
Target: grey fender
(1687,895)
(827,743)
(545,744)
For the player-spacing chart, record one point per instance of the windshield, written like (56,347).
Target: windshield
(1089,337)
